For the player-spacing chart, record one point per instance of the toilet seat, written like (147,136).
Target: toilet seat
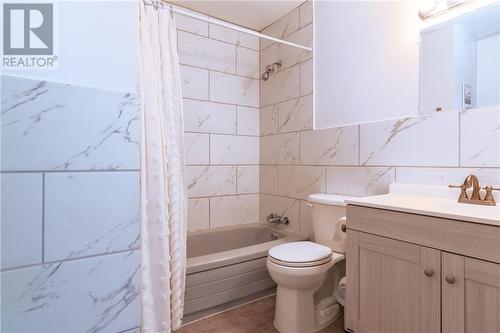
(300,254)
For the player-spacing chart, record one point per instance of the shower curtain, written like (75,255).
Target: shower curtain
(163,192)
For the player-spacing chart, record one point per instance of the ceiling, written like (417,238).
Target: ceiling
(256,14)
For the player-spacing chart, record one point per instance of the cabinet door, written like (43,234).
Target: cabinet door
(471,295)
(393,286)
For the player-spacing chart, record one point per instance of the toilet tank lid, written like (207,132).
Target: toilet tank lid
(329,199)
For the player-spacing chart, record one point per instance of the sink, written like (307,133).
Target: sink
(438,201)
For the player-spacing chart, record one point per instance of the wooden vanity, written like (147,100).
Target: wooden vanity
(410,272)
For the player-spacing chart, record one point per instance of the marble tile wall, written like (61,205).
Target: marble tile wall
(359,160)
(70,204)
(220,76)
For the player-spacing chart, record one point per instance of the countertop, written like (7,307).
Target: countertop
(398,199)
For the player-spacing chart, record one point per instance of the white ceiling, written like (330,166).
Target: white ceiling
(256,14)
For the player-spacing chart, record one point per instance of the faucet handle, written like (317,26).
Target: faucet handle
(490,188)
(463,193)
(488,198)
(462,187)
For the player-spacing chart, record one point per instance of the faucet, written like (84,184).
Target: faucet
(274,218)
(472,180)
(475,198)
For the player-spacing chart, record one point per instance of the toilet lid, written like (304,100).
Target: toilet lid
(300,252)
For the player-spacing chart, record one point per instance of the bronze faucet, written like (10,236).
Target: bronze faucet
(475,198)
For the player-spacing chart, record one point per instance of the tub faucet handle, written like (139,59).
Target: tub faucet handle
(274,218)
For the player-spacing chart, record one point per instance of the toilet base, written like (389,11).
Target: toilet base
(295,312)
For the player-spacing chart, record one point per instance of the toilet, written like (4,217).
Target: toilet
(302,270)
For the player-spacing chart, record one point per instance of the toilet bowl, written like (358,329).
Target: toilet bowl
(300,269)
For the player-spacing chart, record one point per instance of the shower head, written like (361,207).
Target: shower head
(274,67)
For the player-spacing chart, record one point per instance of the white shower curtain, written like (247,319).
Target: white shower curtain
(163,193)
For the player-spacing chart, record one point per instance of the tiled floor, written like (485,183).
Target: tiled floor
(256,317)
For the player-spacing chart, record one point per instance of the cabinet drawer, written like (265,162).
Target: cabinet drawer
(482,241)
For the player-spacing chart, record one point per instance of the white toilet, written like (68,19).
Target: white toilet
(300,269)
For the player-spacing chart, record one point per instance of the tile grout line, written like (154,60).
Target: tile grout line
(209,86)
(50,262)
(43,217)
(210,100)
(459,139)
(65,171)
(218,71)
(236,59)
(359,144)
(236,180)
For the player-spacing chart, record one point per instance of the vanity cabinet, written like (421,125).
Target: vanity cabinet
(414,273)
(470,295)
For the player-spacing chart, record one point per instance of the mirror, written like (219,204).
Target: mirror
(460,62)
(366,61)
(375,61)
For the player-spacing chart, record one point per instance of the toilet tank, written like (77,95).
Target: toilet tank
(328,215)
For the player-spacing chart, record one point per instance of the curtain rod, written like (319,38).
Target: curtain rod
(184,12)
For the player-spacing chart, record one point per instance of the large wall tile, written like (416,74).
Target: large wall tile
(208,117)
(306,13)
(248,121)
(54,126)
(247,179)
(270,204)
(247,62)
(306,77)
(301,181)
(198,214)
(290,55)
(204,52)
(269,179)
(269,120)
(234,89)
(234,37)
(279,149)
(480,138)
(447,176)
(331,146)
(204,181)
(90,213)
(232,149)
(197,147)
(194,82)
(234,210)
(296,114)
(408,142)
(21,217)
(99,294)
(283,27)
(359,181)
(281,86)
(191,25)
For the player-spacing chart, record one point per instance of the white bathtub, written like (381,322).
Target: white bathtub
(227,266)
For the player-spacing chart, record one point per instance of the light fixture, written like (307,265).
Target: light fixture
(427,8)
(434,12)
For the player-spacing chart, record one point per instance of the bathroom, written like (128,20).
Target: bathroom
(301,136)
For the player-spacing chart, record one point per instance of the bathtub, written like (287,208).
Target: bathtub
(227,266)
